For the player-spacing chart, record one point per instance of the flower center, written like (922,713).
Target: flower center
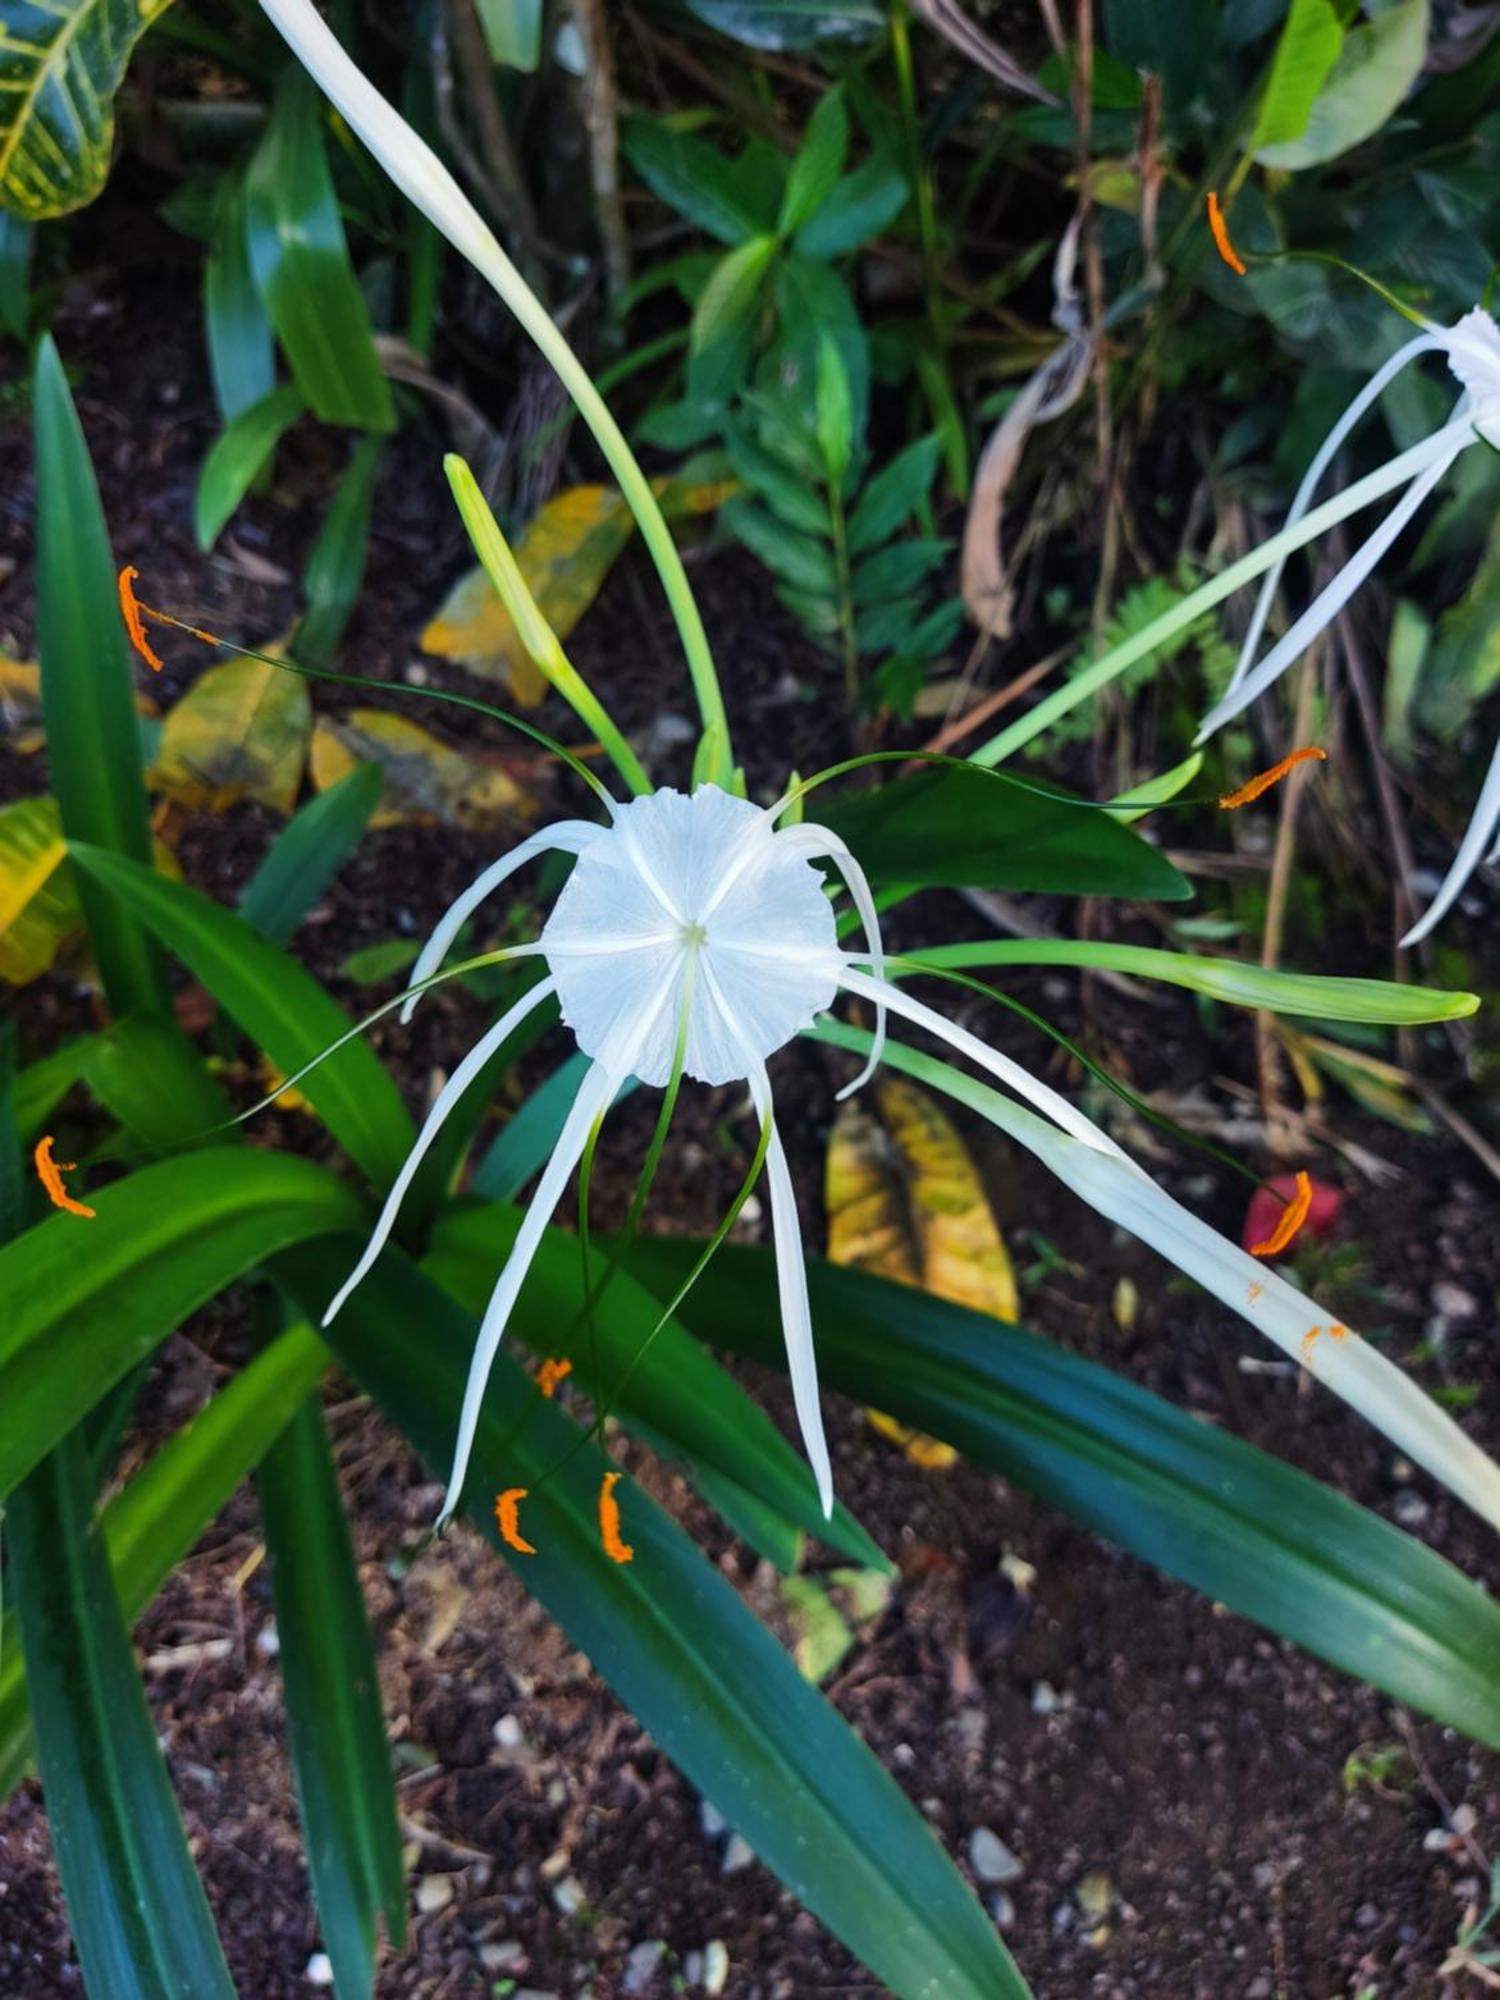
(694,936)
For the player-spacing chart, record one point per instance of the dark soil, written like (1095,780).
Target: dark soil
(1171,1780)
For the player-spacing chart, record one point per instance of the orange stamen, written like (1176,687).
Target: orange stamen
(130,608)
(609,1522)
(508,1519)
(1222,243)
(1334,1332)
(50,1173)
(551,1373)
(1263,780)
(1292,1218)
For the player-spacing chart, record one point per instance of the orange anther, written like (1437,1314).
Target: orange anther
(50,1173)
(1263,780)
(609,1521)
(508,1521)
(130,608)
(1222,243)
(551,1373)
(1291,1220)
(1334,1332)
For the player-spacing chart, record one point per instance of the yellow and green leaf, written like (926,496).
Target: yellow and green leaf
(424,778)
(240,732)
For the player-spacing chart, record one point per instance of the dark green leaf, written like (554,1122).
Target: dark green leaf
(796,559)
(339,1751)
(281,1007)
(241,348)
(155,1519)
(792,24)
(819,162)
(816,305)
(858,208)
(680,1649)
(946,828)
(336,568)
(237,458)
(300,262)
(15,274)
(87,701)
(695,180)
(308,852)
(148,1076)
(42,1085)
(788,496)
(893,495)
(136,1908)
(899,570)
(1233,1521)
(85,1300)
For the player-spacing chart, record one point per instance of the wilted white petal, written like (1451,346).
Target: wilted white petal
(1481,828)
(1425,343)
(1329,602)
(791,1284)
(451,1092)
(814,843)
(568,836)
(1010,1073)
(1349,1366)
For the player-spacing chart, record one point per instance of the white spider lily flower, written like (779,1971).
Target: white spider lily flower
(692,930)
(1472,351)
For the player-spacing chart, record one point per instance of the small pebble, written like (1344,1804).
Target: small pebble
(569,1896)
(509,1733)
(506,1955)
(991,1860)
(737,1855)
(434,1893)
(715,1966)
(268,1640)
(712,1820)
(641,1964)
(1002,1909)
(319,1970)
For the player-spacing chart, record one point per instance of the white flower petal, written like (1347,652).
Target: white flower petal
(1330,601)
(1348,1365)
(568,836)
(1425,343)
(451,1092)
(1473,351)
(595,1095)
(791,1283)
(814,842)
(1010,1073)
(1485,820)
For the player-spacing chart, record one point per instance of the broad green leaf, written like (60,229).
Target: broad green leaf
(279,1006)
(946,828)
(92,741)
(1380,60)
(61,62)
(154,1520)
(1231,1520)
(307,854)
(818,163)
(241,346)
(680,1649)
(671,1386)
(1323,996)
(300,263)
(136,1908)
(1306,50)
(422,777)
(236,458)
(240,732)
(150,1078)
(42,1085)
(337,1733)
(86,1299)
(38,900)
(893,496)
(691,177)
(858,208)
(336,568)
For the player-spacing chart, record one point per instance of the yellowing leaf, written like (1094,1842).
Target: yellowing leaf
(565,552)
(905,1202)
(240,732)
(424,778)
(38,903)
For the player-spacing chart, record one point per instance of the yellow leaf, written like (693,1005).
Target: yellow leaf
(240,732)
(565,553)
(424,779)
(905,1202)
(38,902)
